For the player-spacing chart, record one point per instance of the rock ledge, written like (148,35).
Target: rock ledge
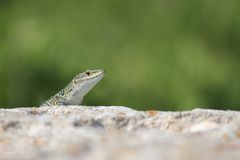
(119,133)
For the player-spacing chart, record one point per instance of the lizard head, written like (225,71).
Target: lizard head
(89,76)
(82,84)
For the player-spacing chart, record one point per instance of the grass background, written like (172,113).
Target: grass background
(166,55)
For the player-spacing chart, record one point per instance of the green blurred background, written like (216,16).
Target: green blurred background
(165,55)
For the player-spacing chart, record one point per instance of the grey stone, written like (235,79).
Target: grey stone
(118,133)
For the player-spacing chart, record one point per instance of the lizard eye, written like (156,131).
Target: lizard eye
(88,73)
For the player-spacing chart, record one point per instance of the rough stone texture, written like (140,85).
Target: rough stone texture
(118,133)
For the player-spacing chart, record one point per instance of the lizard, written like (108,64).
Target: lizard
(75,91)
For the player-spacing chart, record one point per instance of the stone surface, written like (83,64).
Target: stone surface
(118,133)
